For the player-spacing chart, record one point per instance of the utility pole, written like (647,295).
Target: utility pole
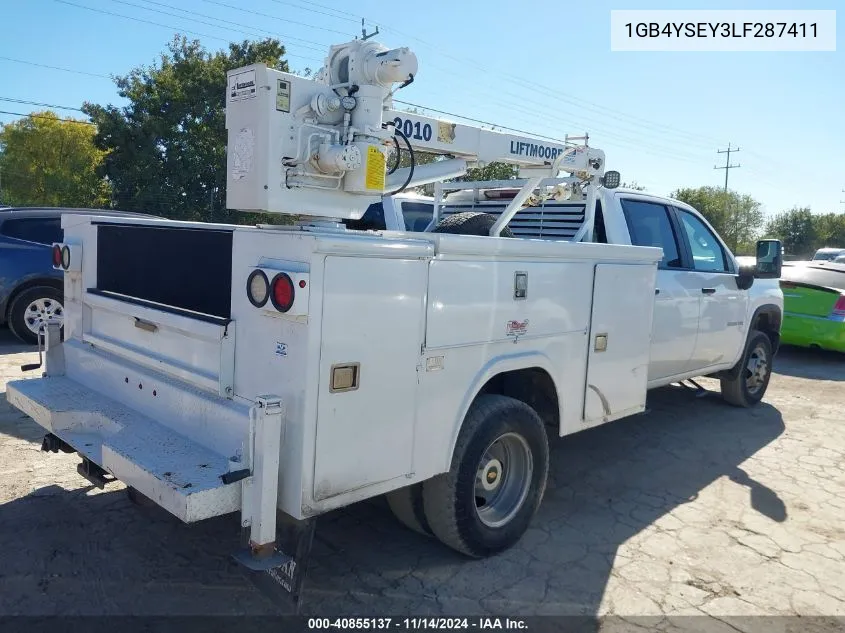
(727,169)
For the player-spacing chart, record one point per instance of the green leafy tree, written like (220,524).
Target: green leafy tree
(829,230)
(738,218)
(796,228)
(47,161)
(167,147)
(491,171)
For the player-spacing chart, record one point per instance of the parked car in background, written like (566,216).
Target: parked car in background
(31,291)
(814,304)
(828,254)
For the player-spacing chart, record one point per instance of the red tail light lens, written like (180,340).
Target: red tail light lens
(57,256)
(839,307)
(282,292)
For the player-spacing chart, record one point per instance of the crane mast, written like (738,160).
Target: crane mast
(318,147)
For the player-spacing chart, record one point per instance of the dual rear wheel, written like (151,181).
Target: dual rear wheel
(497,479)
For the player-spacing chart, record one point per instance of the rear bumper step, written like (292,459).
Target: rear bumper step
(177,473)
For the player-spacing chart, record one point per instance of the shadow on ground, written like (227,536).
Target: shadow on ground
(76,552)
(10,344)
(815,364)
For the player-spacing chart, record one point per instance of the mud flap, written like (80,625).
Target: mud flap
(281,576)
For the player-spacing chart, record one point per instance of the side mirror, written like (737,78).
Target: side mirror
(769,259)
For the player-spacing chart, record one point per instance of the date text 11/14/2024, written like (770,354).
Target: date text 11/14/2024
(417,624)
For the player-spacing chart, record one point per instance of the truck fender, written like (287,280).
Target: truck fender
(495,366)
(770,317)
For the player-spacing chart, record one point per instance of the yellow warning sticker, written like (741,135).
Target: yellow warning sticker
(375,169)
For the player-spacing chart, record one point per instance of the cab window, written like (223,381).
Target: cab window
(649,225)
(707,254)
(38,230)
(372,220)
(417,215)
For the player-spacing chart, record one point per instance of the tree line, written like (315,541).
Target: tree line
(164,153)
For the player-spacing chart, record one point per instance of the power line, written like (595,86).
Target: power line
(129,17)
(38,103)
(323,6)
(166,26)
(251,30)
(466,118)
(275,17)
(337,17)
(586,121)
(67,70)
(41,116)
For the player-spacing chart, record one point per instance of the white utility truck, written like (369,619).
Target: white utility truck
(280,372)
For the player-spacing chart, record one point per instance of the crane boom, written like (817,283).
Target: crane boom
(318,146)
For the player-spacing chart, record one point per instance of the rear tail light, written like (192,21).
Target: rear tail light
(277,291)
(839,307)
(67,257)
(282,292)
(257,288)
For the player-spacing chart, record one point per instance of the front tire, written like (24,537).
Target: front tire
(487,500)
(33,309)
(746,384)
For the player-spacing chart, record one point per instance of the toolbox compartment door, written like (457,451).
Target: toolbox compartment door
(619,341)
(372,324)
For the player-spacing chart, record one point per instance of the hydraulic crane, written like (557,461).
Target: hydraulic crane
(318,147)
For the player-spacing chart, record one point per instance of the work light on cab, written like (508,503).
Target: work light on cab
(611,179)
(257,288)
(282,292)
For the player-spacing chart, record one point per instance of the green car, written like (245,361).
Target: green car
(814,304)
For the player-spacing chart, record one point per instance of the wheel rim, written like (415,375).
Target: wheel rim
(503,479)
(40,312)
(756,369)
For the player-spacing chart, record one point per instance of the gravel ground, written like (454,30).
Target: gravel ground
(694,508)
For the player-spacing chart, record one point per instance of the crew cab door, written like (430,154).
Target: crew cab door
(721,324)
(676,303)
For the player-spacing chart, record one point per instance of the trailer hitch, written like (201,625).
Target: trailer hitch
(54,444)
(94,473)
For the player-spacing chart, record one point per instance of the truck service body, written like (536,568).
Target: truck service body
(284,371)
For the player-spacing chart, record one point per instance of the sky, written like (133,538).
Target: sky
(544,66)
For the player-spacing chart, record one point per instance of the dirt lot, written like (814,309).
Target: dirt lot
(693,508)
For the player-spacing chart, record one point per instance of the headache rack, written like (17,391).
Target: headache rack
(543,216)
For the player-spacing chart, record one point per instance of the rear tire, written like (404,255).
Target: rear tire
(33,308)
(470,223)
(746,384)
(487,500)
(407,506)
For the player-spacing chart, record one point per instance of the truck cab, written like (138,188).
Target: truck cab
(706,303)
(401,212)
